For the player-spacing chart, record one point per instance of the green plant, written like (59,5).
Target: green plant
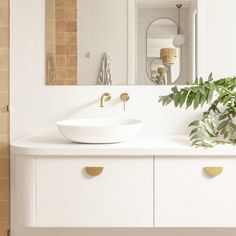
(217,124)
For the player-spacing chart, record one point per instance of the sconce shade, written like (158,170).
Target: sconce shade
(179,40)
(168,55)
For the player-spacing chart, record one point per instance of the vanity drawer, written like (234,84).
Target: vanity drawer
(120,196)
(186,196)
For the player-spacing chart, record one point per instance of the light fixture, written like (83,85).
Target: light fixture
(179,38)
(168,56)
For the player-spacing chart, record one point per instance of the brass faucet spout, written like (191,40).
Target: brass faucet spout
(106,97)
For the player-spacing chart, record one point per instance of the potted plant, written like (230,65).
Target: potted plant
(217,125)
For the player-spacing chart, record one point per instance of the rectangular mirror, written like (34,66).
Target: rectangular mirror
(98,42)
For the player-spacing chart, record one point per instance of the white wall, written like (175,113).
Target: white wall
(220,37)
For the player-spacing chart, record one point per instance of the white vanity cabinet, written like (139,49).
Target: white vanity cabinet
(185,196)
(121,196)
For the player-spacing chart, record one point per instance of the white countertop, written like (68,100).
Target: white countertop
(168,145)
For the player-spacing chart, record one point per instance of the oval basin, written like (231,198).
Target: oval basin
(99,130)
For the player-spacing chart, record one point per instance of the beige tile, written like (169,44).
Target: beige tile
(4,2)
(50,13)
(60,14)
(4,211)
(4,80)
(4,145)
(4,32)
(60,61)
(60,3)
(71,38)
(4,115)
(71,50)
(4,16)
(71,14)
(4,122)
(4,190)
(4,168)
(4,99)
(60,26)
(4,58)
(71,61)
(71,26)
(60,50)
(61,38)
(4,227)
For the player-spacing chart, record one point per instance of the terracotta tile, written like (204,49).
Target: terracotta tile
(60,50)
(71,26)
(60,73)
(71,38)
(4,16)
(60,14)
(60,26)
(60,38)
(73,3)
(4,32)
(71,14)
(71,50)
(71,72)
(60,3)
(4,190)
(4,80)
(4,227)
(4,168)
(60,61)
(71,61)
(4,145)
(4,211)
(4,58)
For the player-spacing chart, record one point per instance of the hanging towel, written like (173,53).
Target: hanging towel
(104,75)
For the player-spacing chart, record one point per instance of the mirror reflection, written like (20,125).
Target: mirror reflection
(103,45)
(61,42)
(163,58)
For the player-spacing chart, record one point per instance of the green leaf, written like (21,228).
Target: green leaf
(197,100)
(222,125)
(194,123)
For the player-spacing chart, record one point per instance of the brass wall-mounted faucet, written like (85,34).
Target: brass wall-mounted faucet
(124,97)
(106,97)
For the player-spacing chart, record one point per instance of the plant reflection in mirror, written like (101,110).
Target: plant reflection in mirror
(217,125)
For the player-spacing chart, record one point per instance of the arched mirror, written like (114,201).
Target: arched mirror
(163,59)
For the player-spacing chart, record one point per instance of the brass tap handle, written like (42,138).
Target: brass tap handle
(213,171)
(124,97)
(93,171)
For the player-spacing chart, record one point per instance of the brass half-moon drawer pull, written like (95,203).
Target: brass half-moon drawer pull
(213,171)
(93,171)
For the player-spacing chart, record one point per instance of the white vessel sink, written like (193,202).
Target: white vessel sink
(99,130)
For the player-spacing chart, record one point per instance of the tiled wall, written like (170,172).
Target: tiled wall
(61,39)
(4,118)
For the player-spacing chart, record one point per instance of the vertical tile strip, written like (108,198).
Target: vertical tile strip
(4,119)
